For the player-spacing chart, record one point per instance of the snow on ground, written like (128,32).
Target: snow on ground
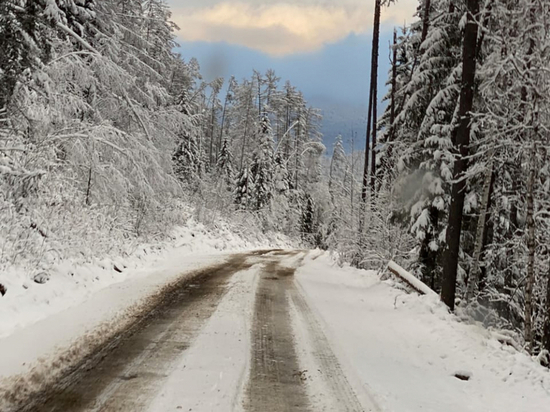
(405,349)
(72,282)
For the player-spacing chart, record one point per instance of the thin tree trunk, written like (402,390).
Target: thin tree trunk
(461,142)
(546,336)
(374,85)
(223,117)
(391,133)
(488,232)
(352,175)
(473,280)
(374,64)
(212,124)
(245,136)
(89,188)
(367,150)
(296,142)
(530,222)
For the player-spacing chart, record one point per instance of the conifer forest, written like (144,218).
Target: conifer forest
(108,137)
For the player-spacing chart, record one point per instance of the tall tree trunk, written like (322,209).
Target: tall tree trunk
(212,126)
(530,222)
(367,150)
(372,98)
(245,136)
(473,279)
(391,133)
(374,85)
(461,142)
(296,154)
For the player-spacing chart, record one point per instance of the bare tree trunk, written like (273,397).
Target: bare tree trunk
(89,188)
(530,222)
(461,142)
(245,136)
(374,67)
(296,143)
(391,133)
(367,150)
(374,85)
(473,279)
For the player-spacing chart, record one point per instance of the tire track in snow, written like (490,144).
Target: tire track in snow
(274,381)
(287,336)
(329,369)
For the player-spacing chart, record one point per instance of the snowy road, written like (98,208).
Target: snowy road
(227,338)
(265,331)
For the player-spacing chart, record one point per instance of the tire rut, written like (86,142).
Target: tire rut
(274,382)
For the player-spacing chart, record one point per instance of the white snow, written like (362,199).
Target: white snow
(405,349)
(74,281)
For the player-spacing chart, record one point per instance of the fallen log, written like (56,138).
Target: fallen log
(410,280)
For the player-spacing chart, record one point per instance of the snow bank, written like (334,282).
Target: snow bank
(406,349)
(73,281)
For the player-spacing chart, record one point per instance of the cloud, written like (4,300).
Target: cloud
(282,28)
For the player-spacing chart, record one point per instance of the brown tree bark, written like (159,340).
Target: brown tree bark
(461,143)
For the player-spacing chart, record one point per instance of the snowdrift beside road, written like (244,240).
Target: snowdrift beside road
(72,281)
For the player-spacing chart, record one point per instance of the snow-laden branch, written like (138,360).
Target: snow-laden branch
(83,42)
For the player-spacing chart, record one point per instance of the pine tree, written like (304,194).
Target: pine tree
(224,165)
(308,220)
(261,170)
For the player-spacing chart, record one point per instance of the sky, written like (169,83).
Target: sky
(321,46)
